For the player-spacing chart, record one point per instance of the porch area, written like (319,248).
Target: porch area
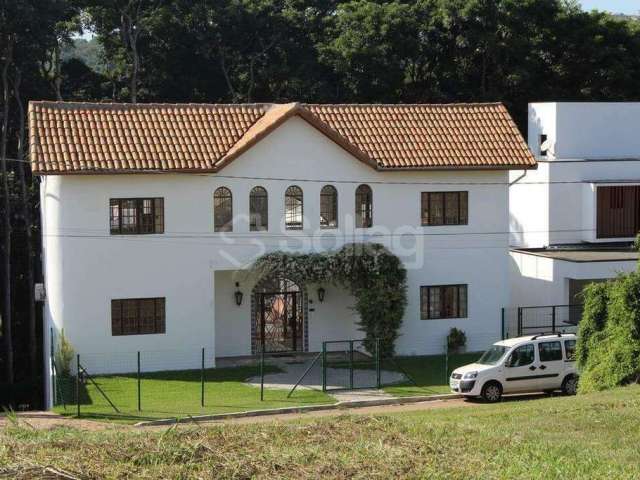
(279,316)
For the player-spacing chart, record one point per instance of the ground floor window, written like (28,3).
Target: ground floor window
(443,301)
(137,316)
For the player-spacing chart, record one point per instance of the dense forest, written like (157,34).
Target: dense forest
(514,51)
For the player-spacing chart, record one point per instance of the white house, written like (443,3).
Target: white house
(151,215)
(573,218)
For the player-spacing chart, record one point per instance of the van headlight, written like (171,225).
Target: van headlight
(470,375)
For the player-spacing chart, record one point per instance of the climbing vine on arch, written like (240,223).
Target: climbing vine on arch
(374,276)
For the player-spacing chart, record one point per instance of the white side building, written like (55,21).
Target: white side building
(573,218)
(151,215)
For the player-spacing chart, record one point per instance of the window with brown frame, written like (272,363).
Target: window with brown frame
(258,210)
(443,301)
(445,208)
(222,210)
(135,216)
(328,207)
(364,207)
(293,208)
(618,211)
(137,316)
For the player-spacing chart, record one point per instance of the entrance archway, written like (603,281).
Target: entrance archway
(278,317)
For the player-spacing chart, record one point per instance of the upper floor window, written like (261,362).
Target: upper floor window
(258,210)
(364,206)
(445,208)
(222,210)
(293,208)
(328,207)
(137,316)
(443,301)
(136,215)
(618,211)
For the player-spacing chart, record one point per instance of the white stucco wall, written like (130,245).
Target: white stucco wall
(590,142)
(191,266)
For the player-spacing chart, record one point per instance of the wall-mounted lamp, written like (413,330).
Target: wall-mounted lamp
(321,292)
(238,295)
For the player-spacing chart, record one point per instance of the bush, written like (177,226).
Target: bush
(456,339)
(64,355)
(594,316)
(610,351)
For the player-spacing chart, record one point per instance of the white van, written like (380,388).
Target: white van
(536,363)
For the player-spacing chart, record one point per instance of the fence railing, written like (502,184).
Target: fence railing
(519,321)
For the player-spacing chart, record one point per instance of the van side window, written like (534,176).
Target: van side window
(521,356)
(550,351)
(570,350)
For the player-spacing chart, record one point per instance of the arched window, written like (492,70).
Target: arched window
(328,207)
(364,206)
(293,208)
(222,210)
(258,210)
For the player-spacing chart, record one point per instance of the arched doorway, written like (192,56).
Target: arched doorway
(278,316)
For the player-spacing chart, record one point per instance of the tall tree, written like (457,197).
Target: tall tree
(121,26)
(8,39)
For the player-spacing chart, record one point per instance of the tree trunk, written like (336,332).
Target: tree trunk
(6,218)
(25,207)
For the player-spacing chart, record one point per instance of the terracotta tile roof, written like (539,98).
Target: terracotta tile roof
(118,138)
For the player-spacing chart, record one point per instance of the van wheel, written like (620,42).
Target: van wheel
(570,385)
(491,392)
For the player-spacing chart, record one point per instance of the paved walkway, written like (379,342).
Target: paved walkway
(364,380)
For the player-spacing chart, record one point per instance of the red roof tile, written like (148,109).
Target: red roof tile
(118,138)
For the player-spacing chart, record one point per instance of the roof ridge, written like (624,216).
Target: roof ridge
(62,103)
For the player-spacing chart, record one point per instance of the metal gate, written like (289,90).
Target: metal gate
(520,321)
(280,325)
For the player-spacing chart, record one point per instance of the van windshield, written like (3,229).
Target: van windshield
(493,355)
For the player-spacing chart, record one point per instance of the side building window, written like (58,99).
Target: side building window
(443,301)
(364,207)
(445,208)
(222,210)
(328,207)
(258,210)
(137,316)
(293,208)
(135,216)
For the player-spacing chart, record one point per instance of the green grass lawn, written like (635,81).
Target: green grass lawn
(178,394)
(590,436)
(430,373)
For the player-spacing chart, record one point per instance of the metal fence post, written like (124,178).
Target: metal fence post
(351,365)
(139,398)
(78,383)
(53,373)
(519,321)
(502,329)
(262,375)
(378,385)
(202,381)
(553,319)
(324,366)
